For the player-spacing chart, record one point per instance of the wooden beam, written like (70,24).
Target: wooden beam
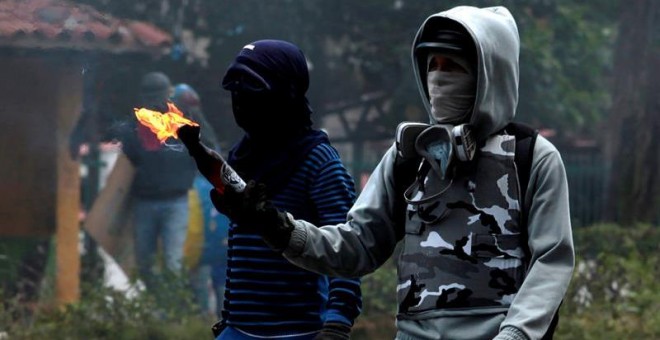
(68,86)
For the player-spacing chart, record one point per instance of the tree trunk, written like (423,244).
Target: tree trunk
(634,143)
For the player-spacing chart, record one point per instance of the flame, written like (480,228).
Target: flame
(164,125)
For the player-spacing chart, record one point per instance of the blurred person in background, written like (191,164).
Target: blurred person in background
(266,296)
(205,250)
(188,101)
(160,187)
(483,215)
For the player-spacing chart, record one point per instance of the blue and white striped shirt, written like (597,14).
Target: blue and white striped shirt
(268,296)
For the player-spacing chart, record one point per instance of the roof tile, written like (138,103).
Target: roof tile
(63,24)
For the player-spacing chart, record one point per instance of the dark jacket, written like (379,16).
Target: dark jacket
(162,171)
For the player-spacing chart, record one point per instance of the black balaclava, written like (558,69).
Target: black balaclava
(268,81)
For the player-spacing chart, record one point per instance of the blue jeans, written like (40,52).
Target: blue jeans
(200,278)
(166,220)
(231,333)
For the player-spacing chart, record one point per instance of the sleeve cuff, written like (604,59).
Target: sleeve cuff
(333,316)
(511,333)
(297,240)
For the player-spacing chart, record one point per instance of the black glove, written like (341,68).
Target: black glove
(251,209)
(334,331)
(190,137)
(209,162)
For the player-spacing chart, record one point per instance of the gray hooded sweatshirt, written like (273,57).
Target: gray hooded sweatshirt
(369,237)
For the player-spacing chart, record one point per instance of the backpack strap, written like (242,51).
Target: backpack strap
(525,141)
(404,174)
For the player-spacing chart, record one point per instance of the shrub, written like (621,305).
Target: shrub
(614,293)
(104,313)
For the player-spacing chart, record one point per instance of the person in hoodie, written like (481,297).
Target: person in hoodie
(159,192)
(266,296)
(470,267)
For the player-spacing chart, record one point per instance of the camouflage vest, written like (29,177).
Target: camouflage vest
(464,248)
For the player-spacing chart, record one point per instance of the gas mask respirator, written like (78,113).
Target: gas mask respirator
(440,145)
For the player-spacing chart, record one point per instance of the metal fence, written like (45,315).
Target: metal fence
(587,173)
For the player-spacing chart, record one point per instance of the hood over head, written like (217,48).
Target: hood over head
(274,65)
(269,81)
(494,54)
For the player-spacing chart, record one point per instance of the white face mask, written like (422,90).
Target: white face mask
(451,95)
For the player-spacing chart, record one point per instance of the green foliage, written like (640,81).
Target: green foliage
(379,303)
(11,249)
(364,47)
(379,290)
(104,313)
(564,64)
(614,293)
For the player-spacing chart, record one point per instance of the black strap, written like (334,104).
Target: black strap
(218,327)
(525,141)
(549,334)
(404,174)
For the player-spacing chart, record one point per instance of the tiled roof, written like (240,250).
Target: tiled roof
(63,24)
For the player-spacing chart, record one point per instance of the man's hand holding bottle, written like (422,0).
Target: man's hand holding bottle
(248,205)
